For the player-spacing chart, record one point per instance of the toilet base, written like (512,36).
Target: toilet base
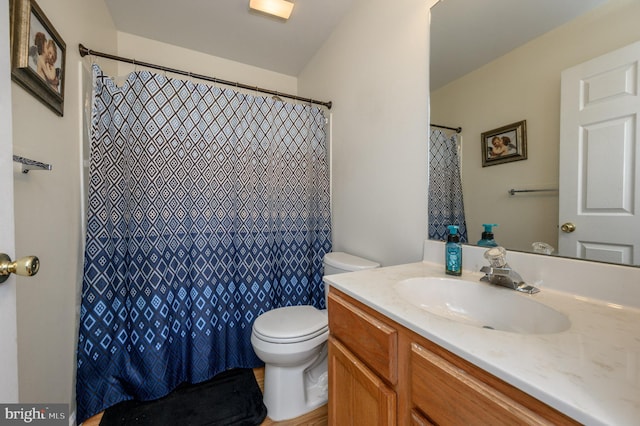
(292,392)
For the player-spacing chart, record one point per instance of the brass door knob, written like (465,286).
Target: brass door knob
(568,227)
(26,266)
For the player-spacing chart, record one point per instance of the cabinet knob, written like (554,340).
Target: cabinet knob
(26,266)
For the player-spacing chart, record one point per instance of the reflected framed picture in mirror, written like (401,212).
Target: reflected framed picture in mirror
(505,144)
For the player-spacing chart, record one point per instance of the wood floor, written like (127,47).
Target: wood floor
(318,417)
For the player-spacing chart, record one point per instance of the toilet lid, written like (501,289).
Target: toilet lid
(291,324)
(348,262)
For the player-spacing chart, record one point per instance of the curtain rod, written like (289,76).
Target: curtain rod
(85,51)
(457,129)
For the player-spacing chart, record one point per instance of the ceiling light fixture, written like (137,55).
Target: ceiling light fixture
(279,8)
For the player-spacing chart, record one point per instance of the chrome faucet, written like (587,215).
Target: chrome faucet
(500,273)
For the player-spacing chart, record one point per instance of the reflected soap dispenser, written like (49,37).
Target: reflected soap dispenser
(487,236)
(453,252)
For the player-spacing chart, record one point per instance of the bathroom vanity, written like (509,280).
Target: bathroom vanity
(392,361)
(375,363)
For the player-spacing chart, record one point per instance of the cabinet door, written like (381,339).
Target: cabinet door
(356,395)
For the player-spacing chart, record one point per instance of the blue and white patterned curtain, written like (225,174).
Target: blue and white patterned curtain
(446,206)
(207,207)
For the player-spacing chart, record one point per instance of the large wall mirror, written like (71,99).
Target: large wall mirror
(492,65)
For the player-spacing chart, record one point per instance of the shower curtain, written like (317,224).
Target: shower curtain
(446,206)
(207,207)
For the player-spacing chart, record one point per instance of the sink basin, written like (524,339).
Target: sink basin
(482,305)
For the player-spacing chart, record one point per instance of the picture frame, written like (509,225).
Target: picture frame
(505,144)
(37,54)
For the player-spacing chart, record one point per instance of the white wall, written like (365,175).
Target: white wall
(525,85)
(374,67)
(47,211)
(155,52)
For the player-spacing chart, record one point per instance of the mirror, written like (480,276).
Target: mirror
(490,67)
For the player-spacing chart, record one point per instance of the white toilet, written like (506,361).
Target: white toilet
(292,342)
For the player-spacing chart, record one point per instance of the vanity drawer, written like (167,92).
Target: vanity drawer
(448,394)
(372,340)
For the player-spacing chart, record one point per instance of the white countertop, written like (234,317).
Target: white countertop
(590,372)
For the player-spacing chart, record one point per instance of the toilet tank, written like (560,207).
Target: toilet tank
(339,262)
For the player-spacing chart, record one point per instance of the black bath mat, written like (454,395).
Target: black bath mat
(230,398)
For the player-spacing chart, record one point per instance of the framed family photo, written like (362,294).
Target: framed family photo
(505,144)
(37,54)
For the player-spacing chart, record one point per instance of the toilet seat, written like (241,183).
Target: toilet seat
(291,324)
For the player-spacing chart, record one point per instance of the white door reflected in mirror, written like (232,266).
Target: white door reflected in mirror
(600,158)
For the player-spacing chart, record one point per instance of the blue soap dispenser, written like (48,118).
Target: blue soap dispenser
(487,236)
(453,252)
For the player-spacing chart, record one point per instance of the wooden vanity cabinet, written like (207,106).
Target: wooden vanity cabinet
(381,373)
(362,366)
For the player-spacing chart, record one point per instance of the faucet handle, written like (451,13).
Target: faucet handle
(497,257)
